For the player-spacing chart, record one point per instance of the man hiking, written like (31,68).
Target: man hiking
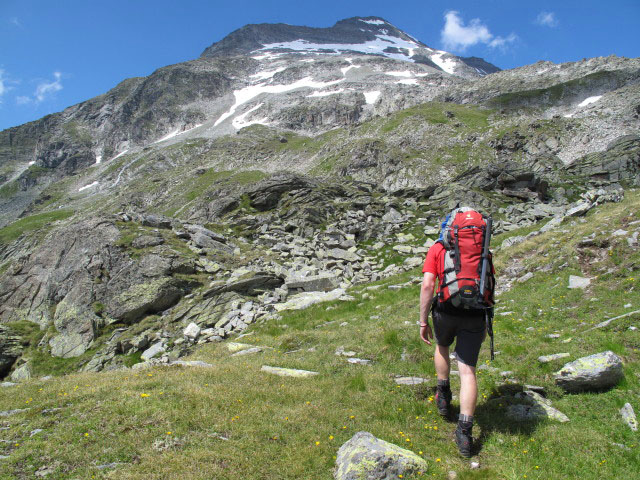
(459,310)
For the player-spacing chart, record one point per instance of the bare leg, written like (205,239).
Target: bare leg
(468,389)
(441,357)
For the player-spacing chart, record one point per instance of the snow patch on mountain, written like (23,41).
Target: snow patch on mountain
(408,81)
(88,186)
(589,100)
(406,73)
(175,133)
(267,74)
(446,64)
(246,94)
(241,120)
(371,97)
(374,22)
(317,93)
(379,46)
(119,154)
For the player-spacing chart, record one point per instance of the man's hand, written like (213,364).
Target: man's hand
(426,334)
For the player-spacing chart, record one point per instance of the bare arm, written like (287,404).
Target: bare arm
(426,295)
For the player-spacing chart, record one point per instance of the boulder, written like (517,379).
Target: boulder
(139,299)
(194,229)
(22,373)
(154,350)
(367,457)
(191,332)
(314,283)
(595,372)
(305,300)
(393,216)
(156,221)
(203,240)
(340,254)
(67,345)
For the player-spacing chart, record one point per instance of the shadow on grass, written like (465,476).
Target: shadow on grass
(491,416)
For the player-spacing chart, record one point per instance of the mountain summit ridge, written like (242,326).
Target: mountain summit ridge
(361,35)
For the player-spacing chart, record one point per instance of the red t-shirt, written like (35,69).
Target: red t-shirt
(434,263)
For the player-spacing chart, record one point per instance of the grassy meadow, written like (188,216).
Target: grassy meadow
(233,421)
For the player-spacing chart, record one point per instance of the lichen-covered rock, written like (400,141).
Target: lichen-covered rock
(305,300)
(22,373)
(314,283)
(365,457)
(534,407)
(629,416)
(67,345)
(142,298)
(595,372)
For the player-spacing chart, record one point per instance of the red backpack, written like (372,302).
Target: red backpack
(465,236)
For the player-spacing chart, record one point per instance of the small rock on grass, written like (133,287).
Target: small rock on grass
(629,416)
(288,372)
(410,380)
(359,361)
(551,358)
(248,351)
(475,465)
(578,282)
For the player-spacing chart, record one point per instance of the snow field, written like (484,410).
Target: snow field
(88,186)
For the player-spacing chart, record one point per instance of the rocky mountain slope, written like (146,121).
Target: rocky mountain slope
(279,169)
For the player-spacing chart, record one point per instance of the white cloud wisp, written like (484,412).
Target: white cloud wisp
(455,35)
(43,91)
(546,19)
(46,89)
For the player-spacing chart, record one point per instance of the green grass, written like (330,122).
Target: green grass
(287,428)
(34,222)
(9,190)
(435,113)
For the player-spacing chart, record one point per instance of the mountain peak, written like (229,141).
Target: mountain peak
(360,35)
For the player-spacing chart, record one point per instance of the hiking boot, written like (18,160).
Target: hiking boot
(463,438)
(443,401)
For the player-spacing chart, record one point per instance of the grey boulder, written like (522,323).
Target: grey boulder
(595,372)
(365,457)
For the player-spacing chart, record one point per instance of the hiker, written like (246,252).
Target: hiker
(459,310)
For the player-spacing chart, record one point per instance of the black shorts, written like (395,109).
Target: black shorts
(469,329)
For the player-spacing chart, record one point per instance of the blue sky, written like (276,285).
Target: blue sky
(54,54)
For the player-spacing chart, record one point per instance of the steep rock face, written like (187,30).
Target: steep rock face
(79,280)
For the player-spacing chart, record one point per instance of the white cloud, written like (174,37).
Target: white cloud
(455,35)
(47,89)
(546,19)
(44,91)
(15,21)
